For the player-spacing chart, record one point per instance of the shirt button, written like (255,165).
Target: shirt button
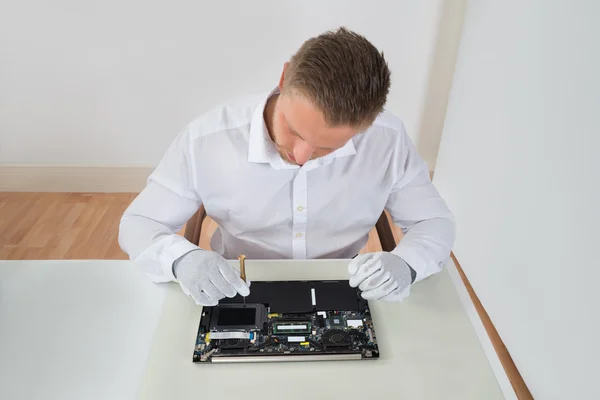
(298,235)
(300,208)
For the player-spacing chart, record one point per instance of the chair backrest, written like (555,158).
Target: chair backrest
(193,229)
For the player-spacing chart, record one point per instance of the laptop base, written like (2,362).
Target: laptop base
(288,321)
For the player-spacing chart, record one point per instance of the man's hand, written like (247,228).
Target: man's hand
(382,276)
(207,277)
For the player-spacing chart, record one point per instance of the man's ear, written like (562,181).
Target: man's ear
(281,79)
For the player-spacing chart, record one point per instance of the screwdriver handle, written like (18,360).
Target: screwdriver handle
(242,259)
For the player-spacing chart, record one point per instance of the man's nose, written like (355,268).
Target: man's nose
(302,152)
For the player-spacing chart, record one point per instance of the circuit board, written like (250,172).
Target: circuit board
(320,335)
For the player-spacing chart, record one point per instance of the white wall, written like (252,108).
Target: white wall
(112,82)
(518,165)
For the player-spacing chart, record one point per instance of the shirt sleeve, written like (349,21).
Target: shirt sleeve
(419,210)
(148,228)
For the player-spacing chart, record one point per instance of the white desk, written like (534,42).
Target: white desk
(74,329)
(99,329)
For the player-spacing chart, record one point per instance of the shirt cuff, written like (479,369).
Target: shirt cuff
(421,265)
(157,260)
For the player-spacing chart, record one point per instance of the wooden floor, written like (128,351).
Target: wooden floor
(37,226)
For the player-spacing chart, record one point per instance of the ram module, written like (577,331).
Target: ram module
(285,328)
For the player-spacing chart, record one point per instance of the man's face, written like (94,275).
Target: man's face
(300,132)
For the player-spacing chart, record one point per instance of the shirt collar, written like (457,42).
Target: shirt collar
(260,144)
(263,150)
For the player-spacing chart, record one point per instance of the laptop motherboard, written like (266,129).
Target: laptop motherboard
(259,331)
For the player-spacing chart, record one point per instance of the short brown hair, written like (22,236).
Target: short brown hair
(343,75)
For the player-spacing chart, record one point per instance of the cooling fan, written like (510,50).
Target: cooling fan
(336,338)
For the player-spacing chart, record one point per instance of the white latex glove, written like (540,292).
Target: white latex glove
(381,276)
(207,277)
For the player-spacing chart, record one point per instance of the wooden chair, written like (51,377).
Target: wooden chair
(194,227)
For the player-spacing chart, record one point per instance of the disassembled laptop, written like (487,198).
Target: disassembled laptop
(288,321)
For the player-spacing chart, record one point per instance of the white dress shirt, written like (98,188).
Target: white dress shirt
(267,208)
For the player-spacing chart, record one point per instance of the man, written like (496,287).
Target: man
(301,172)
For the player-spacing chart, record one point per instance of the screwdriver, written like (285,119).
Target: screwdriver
(242,259)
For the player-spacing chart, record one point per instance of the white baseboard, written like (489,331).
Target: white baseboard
(36,178)
(50,178)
